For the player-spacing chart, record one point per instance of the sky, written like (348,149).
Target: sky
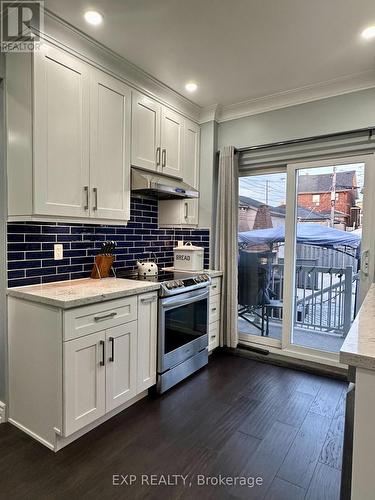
(274,185)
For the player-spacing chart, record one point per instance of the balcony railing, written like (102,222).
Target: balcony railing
(325,297)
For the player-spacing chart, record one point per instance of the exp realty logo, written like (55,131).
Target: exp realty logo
(21,23)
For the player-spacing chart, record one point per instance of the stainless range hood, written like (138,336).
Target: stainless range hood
(161,186)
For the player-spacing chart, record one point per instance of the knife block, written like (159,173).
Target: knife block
(102,266)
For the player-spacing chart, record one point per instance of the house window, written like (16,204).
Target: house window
(316,199)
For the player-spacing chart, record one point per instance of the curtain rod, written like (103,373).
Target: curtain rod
(369,130)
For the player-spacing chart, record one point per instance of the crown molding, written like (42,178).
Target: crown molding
(309,93)
(62,34)
(210,113)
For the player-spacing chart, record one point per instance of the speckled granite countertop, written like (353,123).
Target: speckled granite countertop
(358,348)
(75,293)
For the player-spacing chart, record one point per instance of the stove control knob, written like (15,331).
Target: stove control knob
(180,283)
(169,286)
(175,284)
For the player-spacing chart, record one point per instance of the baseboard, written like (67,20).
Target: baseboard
(3,414)
(31,434)
(293,363)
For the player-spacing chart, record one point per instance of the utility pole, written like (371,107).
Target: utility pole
(333,197)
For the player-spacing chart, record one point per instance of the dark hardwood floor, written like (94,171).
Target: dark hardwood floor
(236,417)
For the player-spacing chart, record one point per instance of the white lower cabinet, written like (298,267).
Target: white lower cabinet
(84,381)
(121,364)
(78,367)
(214,314)
(147,339)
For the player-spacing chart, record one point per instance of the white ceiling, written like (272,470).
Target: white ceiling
(235,50)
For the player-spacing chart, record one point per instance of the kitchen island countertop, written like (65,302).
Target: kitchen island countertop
(358,348)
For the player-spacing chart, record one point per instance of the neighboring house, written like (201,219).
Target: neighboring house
(267,217)
(254,214)
(314,193)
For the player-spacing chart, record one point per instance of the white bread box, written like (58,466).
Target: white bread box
(188,258)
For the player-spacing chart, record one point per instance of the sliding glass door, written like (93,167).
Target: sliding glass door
(261,216)
(304,253)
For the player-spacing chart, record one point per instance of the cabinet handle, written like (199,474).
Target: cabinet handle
(95,191)
(163,157)
(213,336)
(106,316)
(112,341)
(157,156)
(86,190)
(213,287)
(148,300)
(213,309)
(102,343)
(186,210)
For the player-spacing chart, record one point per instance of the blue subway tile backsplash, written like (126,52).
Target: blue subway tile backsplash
(30,245)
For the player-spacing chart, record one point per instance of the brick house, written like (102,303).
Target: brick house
(314,193)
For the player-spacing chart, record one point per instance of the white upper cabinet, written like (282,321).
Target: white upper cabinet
(61,134)
(191,153)
(109,148)
(157,137)
(76,154)
(172,126)
(185,212)
(146,115)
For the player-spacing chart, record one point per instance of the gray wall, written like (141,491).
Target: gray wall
(207,162)
(335,114)
(3,205)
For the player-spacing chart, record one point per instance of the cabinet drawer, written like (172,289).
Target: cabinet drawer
(214,308)
(213,335)
(215,288)
(89,319)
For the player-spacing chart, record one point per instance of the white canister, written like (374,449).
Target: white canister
(188,258)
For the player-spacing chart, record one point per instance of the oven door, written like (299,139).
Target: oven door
(183,325)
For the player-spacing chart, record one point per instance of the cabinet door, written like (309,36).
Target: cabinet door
(110,148)
(191,153)
(61,134)
(147,335)
(121,381)
(190,212)
(172,125)
(145,132)
(84,381)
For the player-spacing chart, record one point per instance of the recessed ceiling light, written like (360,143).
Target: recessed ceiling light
(368,33)
(191,87)
(93,17)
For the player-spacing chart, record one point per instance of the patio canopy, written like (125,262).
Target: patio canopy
(309,234)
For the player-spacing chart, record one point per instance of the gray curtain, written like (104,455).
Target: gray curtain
(225,241)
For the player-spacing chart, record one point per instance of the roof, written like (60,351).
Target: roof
(322,183)
(302,212)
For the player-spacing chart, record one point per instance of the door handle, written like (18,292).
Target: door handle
(106,316)
(157,156)
(102,343)
(112,341)
(95,191)
(163,157)
(186,210)
(86,191)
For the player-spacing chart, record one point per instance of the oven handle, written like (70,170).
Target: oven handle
(190,300)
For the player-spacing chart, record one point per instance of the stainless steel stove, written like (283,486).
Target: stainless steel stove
(182,325)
